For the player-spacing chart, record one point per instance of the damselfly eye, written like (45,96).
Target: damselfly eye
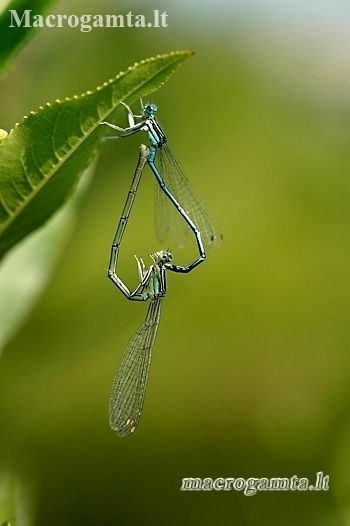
(149,110)
(166,256)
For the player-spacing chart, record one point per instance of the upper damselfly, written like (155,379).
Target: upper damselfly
(174,185)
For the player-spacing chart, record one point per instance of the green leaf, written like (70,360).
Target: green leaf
(19,289)
(43,156)
(13,38)
(21,284)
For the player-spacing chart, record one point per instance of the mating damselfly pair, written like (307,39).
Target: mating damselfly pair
(175,194)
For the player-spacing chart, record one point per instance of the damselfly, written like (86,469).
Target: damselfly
(130,382)
(172,181)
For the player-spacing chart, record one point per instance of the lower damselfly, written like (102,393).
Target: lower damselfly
(130,382)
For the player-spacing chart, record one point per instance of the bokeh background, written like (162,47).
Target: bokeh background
(250,376)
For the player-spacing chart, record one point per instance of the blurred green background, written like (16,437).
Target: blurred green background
(250,373)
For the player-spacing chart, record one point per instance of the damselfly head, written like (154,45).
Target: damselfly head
(149,110)
(161,257)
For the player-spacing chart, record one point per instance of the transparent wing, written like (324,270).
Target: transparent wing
(130,382)
(163,214)
(167,219)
